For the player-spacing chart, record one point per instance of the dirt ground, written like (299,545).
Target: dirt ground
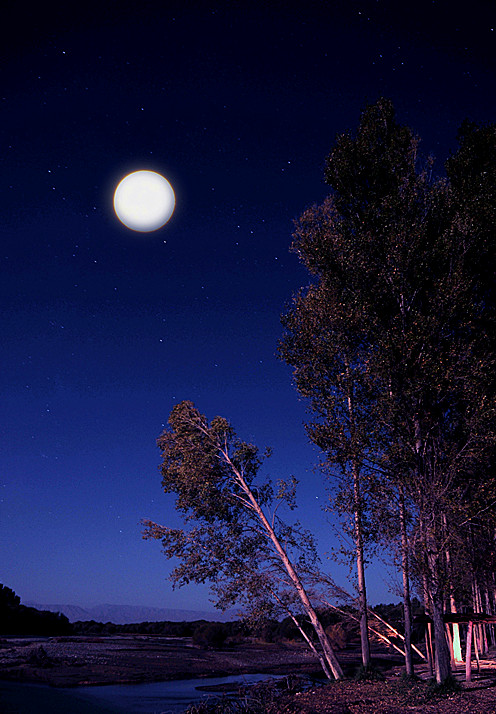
(392,697)
(395,695)
(73,661)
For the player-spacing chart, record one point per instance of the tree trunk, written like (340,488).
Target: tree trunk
(450,644)
(395,632)
(407,606)
(432,574)
(489,610)
(362,591)
(442,659)
(455,636)
(481,627)
(357,499)
(468,653)
(309,642)
(428,628)
(329,654)
(428,647)
(476,637)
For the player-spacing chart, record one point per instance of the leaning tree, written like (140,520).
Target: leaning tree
(234,537)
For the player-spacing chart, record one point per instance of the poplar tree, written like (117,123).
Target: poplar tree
(350,245)
(396,319)
(234,537)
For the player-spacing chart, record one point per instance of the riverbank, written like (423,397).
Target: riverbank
(70,662)
(132,659)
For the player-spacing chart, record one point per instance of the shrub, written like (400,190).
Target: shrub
(262,698)
(337,636)
(450,686)
(212,635)
(369,673)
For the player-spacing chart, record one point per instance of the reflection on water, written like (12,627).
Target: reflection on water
(152,698)
(160,697)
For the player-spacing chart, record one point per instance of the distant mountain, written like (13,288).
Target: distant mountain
(126,614)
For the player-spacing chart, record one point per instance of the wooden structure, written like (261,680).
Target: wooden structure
(473,639)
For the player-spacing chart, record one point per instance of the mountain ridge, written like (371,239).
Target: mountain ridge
(128,614)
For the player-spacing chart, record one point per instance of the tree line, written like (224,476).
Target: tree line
(392,344)
(17,619)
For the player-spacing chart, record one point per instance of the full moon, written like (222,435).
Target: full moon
(144,201)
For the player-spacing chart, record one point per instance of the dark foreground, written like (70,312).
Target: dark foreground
(75,661)
(393,696)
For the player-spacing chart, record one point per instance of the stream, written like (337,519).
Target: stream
(150,698)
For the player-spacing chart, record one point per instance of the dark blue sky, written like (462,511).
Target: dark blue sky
(103,329)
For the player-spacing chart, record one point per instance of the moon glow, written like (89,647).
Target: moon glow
(144,201)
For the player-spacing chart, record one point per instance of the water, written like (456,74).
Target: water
(41,699)
(151,698)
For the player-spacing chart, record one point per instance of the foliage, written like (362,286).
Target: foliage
(234,537)
(268,630)
(8,598)
(17,619)
(211,635)
(393,342)
(337,636)
(391,315)
(227,545)
(370,674)
(262,698)
(234,630)
(393,612)
(446,688)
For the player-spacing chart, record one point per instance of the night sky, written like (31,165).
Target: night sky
(104,329)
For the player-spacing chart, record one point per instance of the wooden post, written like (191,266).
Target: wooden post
(485,638)
(468,653)
(450,645)
(477,640)
(490,627)
(428,652)
(430,647)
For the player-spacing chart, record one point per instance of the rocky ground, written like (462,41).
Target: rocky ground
(73,661)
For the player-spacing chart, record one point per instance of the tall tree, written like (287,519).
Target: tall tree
(332,328)
(234,541)
(395,309)
(471,172)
